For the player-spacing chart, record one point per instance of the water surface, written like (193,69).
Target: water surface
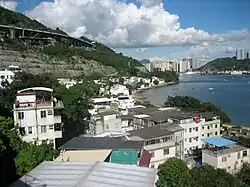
(230,92)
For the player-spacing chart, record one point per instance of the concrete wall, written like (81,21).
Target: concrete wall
(210,128)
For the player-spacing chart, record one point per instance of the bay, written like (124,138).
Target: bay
(230,92)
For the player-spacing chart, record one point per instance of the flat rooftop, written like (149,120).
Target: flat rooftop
(150,133)
(218,141)
(224,150)
(87,174)
(91,143)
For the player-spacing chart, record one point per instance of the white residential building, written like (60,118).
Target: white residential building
(240,54)
(38,115)
(225,154)
(159,142)
(211,127)
(6,75)
(119,90)
(192,132)
(105,121)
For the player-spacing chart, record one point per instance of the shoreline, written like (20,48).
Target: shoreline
(137,95)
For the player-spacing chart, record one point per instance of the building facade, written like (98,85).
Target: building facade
(211,127)
(159,142)
(240,54)
(6,76)
(225,154)
(38,115)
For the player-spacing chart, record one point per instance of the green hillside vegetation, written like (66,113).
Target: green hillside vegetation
(61,50)
(192,104)
(227,64)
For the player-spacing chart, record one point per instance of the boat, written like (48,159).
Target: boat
(210,88)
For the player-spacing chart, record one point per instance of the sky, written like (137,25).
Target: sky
(169,29)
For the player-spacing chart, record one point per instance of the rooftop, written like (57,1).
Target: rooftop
(86,174)
(171,127)
(219,151)
(91,143)
(150,133)
(218,141)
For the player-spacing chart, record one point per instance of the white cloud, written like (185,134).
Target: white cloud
(11,5)
(120,24)
(141,50)
(150,3)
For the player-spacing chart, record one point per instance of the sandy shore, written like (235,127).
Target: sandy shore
(137,95)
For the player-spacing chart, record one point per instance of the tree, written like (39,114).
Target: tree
(206,176)
(155,82)
(174,172)
(18,157)
(192,104)
(244,174)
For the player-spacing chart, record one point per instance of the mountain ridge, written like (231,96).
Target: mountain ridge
(59,57)
(227,64)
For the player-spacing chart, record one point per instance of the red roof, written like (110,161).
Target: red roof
(145,159)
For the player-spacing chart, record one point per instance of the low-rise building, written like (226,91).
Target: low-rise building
(105,121)
(38,115)
(6,76)
(158,141)
(211,126)
(107,149)
(225,154)
(94,174)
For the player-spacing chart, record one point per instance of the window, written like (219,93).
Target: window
(51,127)
(22,131)
(216,133)
(43,114)
(207,134)
(20,115)
(152,166)
(50,112)
(152,154)
(190,140)
(30,130)
(245,153)
(58,127)
(190,129)
(196,128)
(202,134)
(208,127)
(166,151)
(215,126)
(202,127)
(43,129)
(229,167)
(238,156)
(224,159)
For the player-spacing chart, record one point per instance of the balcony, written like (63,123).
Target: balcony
(57,119)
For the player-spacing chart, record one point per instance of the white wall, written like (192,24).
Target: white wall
(191,139)
(210,128)
(231,162)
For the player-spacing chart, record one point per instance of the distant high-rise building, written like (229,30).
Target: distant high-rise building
(248,55)
(240,54)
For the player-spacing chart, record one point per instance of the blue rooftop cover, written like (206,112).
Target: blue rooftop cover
(218,141)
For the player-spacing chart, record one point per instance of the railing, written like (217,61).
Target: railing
(159,145)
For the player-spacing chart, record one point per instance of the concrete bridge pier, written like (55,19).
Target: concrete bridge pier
(23,33)
(12,33)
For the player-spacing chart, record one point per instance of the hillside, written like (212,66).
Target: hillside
(58,56)
(224,64)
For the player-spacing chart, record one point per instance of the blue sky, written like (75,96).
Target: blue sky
(215,18)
